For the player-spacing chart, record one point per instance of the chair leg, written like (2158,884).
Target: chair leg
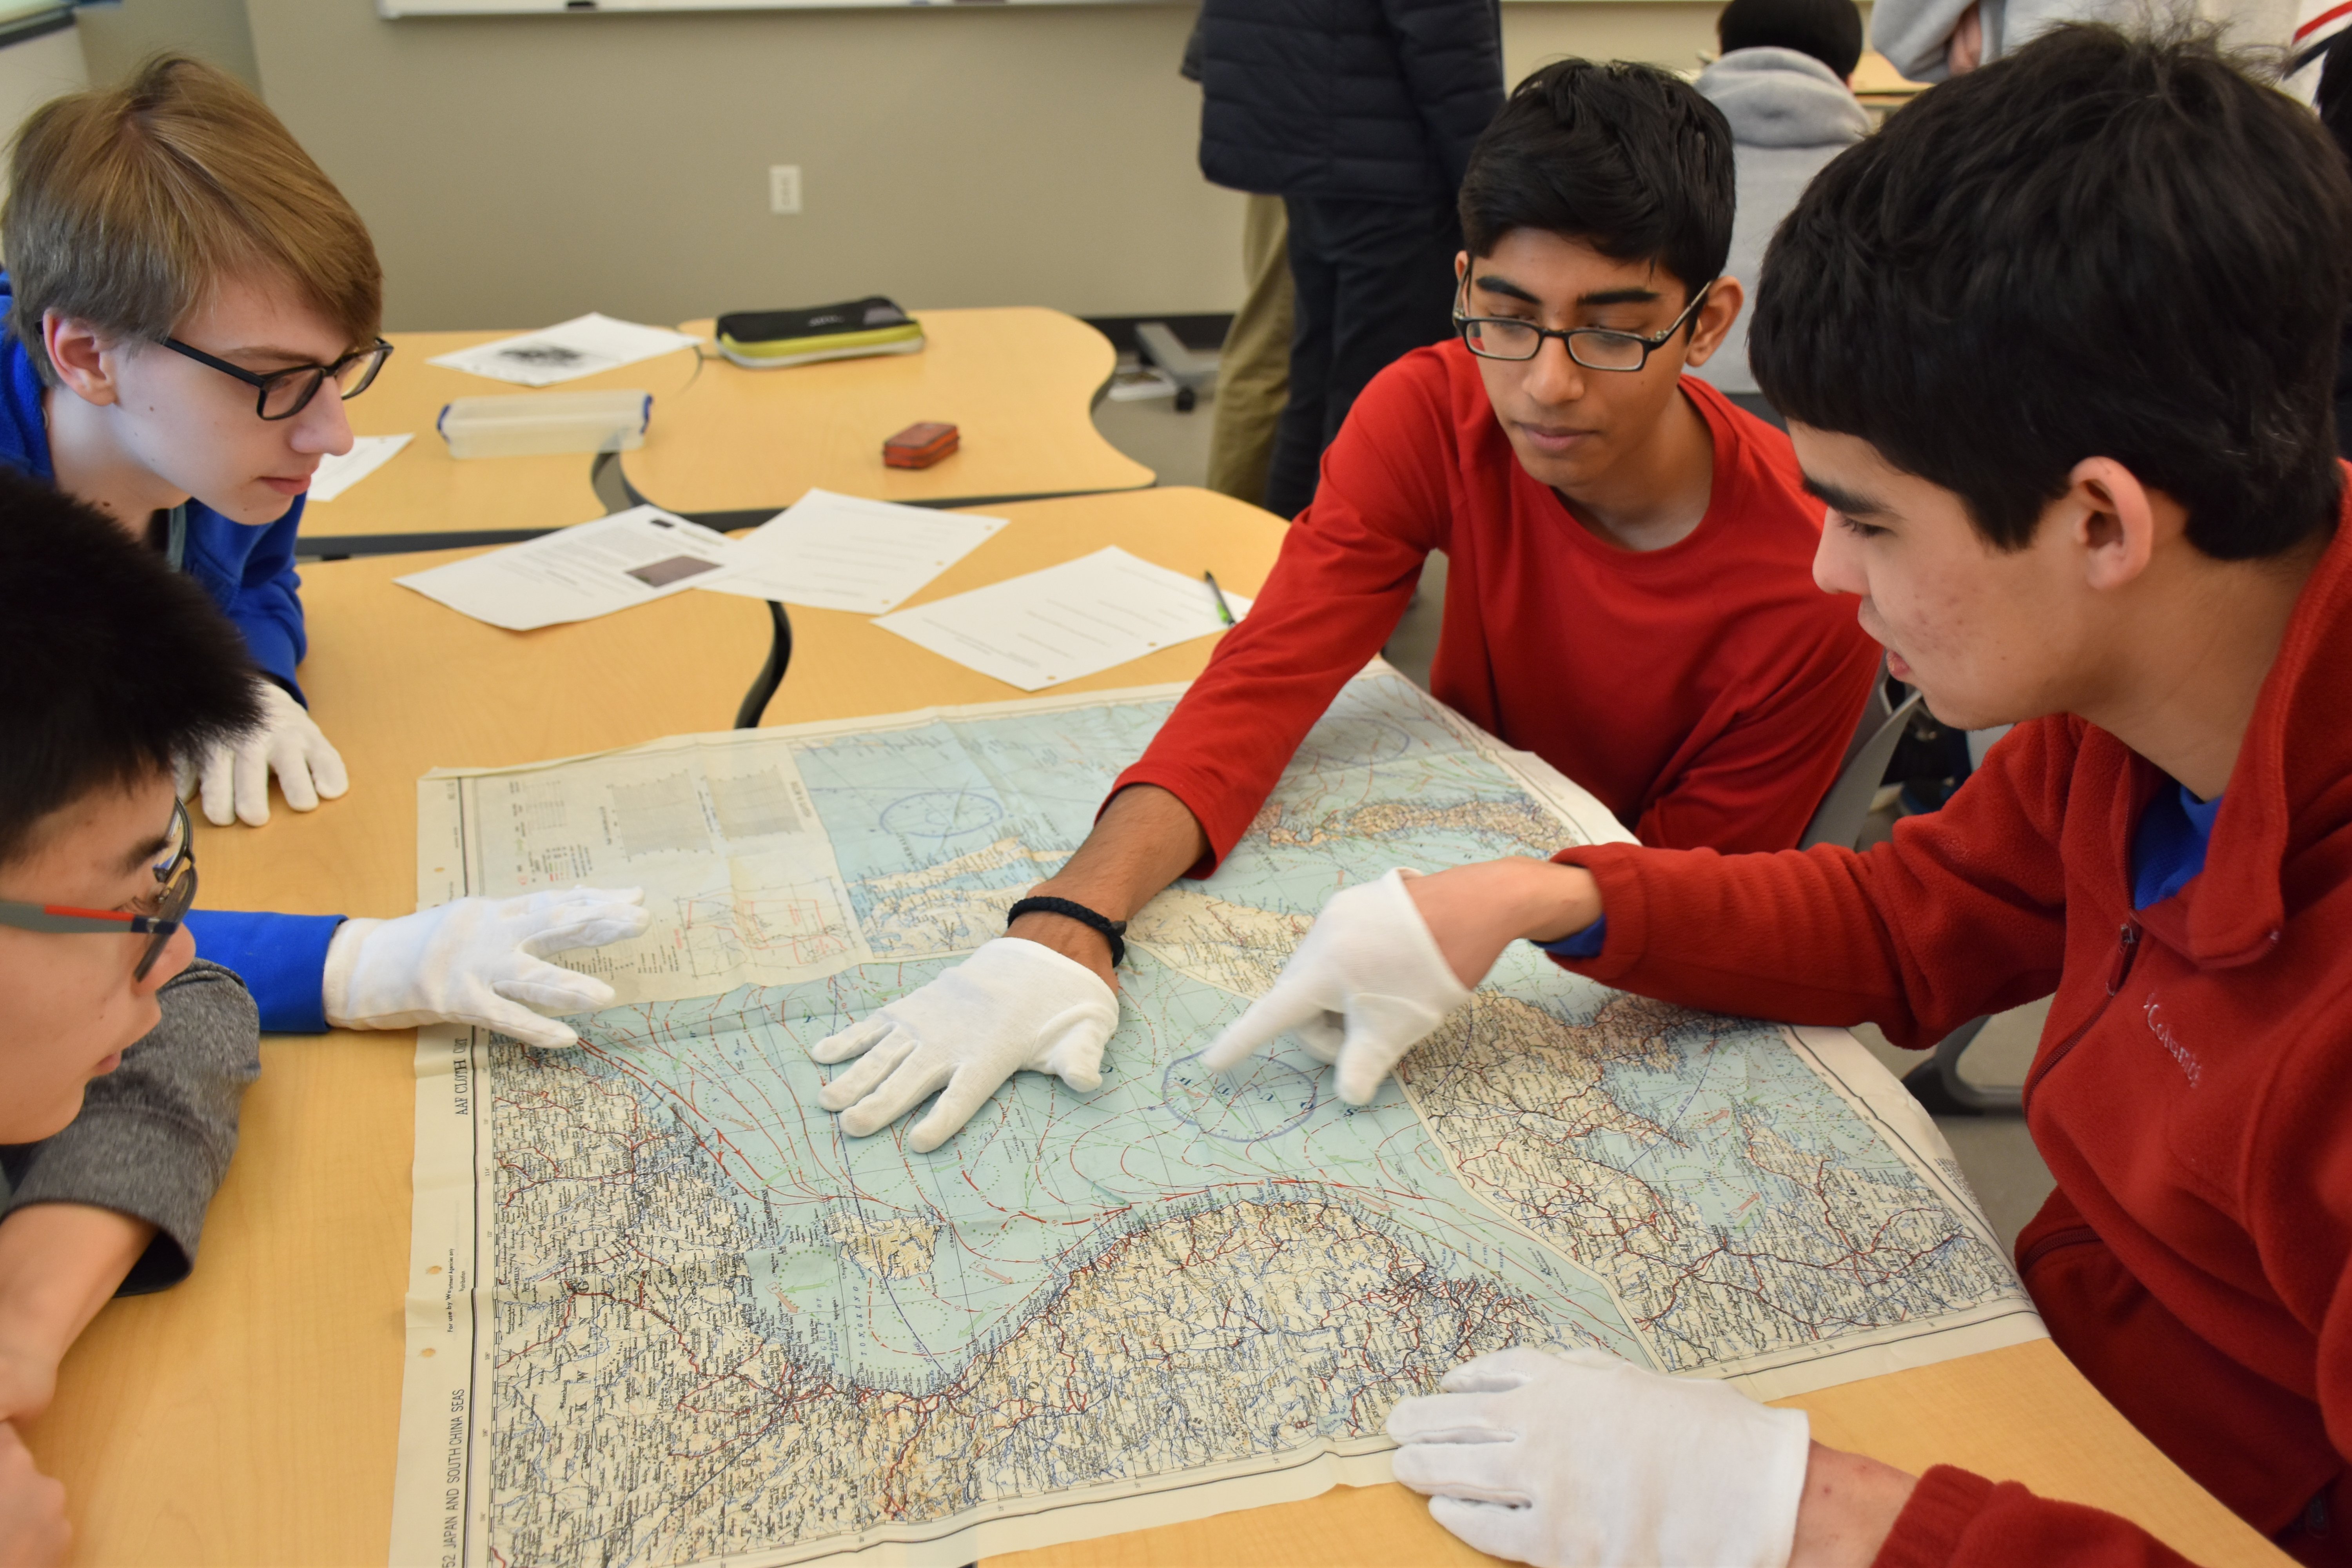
(771,674)
(1937,1083)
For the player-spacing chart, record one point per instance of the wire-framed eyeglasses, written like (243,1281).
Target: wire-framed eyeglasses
(175,875)
(283,394)
(1594,348)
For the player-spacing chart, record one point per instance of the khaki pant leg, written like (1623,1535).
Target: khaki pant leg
(1254,369)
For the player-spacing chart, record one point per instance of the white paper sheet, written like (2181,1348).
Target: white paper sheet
(844,552)
(368,454)
(565,352)
(576,574)
(1067,621)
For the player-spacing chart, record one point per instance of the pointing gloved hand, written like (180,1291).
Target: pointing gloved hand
(478,960)
(1580,1460)
(1014,1004)
(234,778)
(1363,988)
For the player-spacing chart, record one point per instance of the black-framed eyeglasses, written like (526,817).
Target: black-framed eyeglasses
(176,873)
(1594,348)
(283,394)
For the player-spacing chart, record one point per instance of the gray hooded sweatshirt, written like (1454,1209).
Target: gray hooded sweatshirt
(1916,35)
(1789,115)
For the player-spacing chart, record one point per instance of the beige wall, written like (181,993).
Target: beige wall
(1669,33)
(520,169)
(36,69)
(115,37)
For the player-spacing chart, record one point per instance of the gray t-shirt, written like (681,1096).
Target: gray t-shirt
(154,1136)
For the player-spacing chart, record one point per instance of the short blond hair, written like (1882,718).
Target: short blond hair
(128,204)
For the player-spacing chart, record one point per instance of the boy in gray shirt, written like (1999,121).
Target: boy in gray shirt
(123,1057)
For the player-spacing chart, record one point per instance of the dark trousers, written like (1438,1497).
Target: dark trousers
(1372,280)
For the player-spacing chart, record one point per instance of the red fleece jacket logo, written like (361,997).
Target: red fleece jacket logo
(2171,1042)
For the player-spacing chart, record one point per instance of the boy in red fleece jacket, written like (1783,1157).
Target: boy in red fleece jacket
(2056,348)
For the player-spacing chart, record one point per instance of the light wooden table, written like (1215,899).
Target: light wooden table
(250,1416)
(1019,383)
(423,491)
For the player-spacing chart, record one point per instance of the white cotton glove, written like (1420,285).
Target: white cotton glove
(1580,1460)
(478,960)
(1013,1006)
(1366,985)
(235,775)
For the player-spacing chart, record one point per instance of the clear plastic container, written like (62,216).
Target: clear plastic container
(535,423)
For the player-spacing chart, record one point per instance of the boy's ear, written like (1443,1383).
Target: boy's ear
(1715,316)
(81,355)
(2114,520)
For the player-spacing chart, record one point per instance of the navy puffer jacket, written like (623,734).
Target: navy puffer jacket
(1377,100)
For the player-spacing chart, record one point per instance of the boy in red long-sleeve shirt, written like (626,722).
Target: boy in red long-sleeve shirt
(2056,348)
(1628,595)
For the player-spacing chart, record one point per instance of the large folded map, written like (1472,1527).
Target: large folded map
(661,1311)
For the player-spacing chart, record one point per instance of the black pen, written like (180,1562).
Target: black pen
(1225,613)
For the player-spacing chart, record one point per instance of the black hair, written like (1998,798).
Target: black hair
(1630,159)
(1829,30)
(116,664)
(2101,246)
(2333,99)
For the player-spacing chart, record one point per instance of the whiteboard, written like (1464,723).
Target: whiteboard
(590,7)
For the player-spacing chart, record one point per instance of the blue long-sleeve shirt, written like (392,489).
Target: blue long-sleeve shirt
(2168,846)
(248,569)
(282,959)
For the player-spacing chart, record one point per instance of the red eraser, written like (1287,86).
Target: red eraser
(920,446)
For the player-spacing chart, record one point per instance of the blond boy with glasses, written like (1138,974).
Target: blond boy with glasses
(188,301)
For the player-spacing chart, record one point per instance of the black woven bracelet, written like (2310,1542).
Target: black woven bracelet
(1110,929)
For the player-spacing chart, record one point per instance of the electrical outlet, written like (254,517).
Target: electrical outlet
(783,189)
